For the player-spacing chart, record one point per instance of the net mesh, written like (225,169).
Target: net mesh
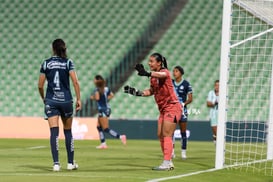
(249,85)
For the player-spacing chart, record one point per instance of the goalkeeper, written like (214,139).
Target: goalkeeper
(168,105)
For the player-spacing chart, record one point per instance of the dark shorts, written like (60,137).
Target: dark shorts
(63,109)
(106,112)
(184,117)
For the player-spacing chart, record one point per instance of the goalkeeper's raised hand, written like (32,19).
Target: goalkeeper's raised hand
(132,91)
(142,71)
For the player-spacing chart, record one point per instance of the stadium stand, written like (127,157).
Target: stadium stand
(98,34)
(192,41)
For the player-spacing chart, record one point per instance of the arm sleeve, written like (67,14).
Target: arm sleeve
(43,67)
(70,65)
(189,88)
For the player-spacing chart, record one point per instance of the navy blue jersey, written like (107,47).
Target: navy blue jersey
(182,90)
(102,103)
(56,70)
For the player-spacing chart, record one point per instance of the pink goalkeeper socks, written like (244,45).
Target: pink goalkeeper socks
(162,144)
(168,148)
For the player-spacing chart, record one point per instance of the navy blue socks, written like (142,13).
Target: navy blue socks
(183,140)
(112,132)
(54,144)
(101,134)
(69,143)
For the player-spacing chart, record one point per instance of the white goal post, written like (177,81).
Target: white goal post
(245,116)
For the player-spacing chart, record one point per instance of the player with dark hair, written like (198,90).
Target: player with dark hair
(102,95)
(168,105)
(58,100)
(184,93)
(212,103)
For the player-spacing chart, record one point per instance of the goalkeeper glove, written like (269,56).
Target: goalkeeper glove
(132,91)
(142,71)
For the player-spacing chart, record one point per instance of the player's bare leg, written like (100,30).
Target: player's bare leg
(103,122)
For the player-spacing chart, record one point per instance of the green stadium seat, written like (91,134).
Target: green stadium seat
(191,42)
(97,33)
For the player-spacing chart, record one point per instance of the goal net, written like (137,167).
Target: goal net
(245,107)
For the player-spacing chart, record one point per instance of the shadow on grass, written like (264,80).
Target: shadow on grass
(112,168)
(35,168)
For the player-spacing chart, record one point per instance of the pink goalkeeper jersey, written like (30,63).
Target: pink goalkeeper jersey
(163,90)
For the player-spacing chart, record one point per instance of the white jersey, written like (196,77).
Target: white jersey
(212,97)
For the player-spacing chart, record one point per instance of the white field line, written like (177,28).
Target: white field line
(182,175)
(25,148)
(36,147)
(79,175)
(205,171)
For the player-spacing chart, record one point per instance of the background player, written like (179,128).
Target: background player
(58,100)
(212,103)
(184,93)
(169,107)
(102,95)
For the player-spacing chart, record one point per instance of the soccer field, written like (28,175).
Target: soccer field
(27,160)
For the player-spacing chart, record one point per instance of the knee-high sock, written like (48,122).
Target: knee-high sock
(101,134)
(173,141)
(168,148)
(54,144)
(183,140)
(111,132)
(161,140)
(69,143)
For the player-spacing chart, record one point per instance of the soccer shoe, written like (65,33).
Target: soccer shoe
(165,166)
(56,167)
(102,146)
(123,139)
(72,166)
(183,154)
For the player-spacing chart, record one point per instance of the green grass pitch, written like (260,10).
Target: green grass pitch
(26,160)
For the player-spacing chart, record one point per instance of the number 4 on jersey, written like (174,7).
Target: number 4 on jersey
(57,81)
